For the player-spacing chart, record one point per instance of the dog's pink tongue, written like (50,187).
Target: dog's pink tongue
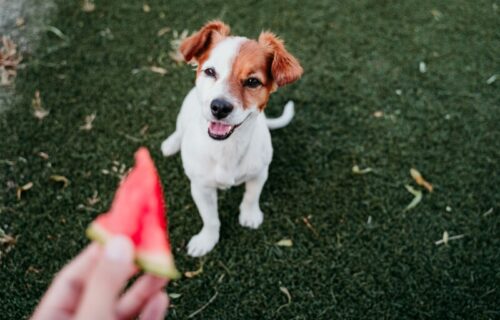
(219,129)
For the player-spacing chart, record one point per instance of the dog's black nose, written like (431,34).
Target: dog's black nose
(221,108)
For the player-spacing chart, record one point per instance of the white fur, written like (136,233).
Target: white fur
(210,164)
(284,119)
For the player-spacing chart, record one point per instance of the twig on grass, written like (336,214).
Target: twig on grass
(204,306)
(447,238)
(129,137)
(309,225)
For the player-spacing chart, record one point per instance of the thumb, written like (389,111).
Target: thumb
(113,269)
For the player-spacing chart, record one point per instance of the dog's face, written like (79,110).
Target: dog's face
(236,75)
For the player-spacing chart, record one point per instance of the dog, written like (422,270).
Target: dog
(221,130)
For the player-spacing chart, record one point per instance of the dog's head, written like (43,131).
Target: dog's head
(236,75)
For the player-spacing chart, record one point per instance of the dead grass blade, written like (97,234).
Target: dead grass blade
(22,189)
(88,6)
(88,122)
(491,79)
(446,238)
(163,31)
(159,70)
(417,197)
(38,111)
(288,296)
(58,178)
(94,199)
(357,170)
(204,306)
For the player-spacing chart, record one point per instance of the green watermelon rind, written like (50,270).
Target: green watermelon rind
(96,233)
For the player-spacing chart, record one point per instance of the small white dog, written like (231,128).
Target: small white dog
(222,133)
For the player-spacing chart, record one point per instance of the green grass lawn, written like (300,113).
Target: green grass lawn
(367,257)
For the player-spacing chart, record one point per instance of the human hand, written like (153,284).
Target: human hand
(89,287)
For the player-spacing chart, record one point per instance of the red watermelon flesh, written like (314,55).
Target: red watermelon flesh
(138,211)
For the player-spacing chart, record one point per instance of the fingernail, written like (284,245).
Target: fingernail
(119,249)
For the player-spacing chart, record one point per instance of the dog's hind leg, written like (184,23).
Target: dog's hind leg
(172,144)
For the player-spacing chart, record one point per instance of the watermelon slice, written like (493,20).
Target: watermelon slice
(138,211)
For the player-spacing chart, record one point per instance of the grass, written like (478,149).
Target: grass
(359,57)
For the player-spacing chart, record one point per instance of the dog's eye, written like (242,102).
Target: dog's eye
(252,83)
(210,72)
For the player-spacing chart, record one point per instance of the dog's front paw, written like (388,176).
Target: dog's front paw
(251,218)
(202,243)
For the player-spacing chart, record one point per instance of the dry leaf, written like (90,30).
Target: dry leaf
(88,122)
(163,31)
(146,8)
(7,239)
(436,14)
(88,6)
(420,180)
(9,60)
(357,170)
(417,197)
(158,70)
(32,269)
(285,243)
(422,67)
(7,242)
(38,111)
(20,22)
(175,43)
(22,189)
(58,178)
(192,274)
(43,155)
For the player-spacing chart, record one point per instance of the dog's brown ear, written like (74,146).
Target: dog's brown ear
(285,68)
(194,46)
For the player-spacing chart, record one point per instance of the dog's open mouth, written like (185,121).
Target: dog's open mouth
(220,131)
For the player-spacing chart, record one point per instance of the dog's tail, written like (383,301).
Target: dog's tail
(284,119)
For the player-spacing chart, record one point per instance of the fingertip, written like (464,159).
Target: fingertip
(119,249)
(156,308)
